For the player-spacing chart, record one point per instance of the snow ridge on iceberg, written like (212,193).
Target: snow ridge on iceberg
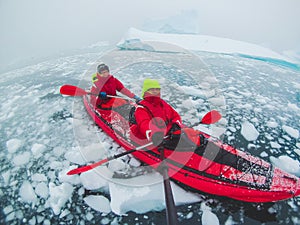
(136,39)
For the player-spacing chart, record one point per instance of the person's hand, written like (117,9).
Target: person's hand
(102,95)
(175,127)
(137,99)
(157,138)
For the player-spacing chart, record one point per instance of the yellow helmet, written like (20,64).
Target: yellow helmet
(149,83)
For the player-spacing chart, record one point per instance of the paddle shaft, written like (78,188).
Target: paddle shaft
(103,161)
(110,96)
(171,211)
(72,90)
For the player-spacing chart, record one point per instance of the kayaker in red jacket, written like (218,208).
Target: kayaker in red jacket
(154,117)
(106,84)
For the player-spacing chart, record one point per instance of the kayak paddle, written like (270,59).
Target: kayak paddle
(211,117)
(101,162)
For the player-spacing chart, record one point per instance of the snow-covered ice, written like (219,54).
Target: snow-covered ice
(27,193)
(59,195)
(249,131)
(208,217)
(144,198)
(98,203)
(291,131)
(287,164)
(13,145)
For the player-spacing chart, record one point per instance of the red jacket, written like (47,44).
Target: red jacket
(154,115)
(110,85)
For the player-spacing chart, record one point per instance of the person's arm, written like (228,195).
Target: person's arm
(121,88)
(174,117)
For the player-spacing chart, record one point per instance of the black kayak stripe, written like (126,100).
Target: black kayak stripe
(219,155)
(191,171)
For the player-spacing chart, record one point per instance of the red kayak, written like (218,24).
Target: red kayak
(216,168)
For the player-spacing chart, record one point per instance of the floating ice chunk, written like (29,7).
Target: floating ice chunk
(64,213)
(63,177)
(92,152)
(22,159)
(138,199)
(208,217)
(42,190)
(193,91)
(27,193)
(287,164)
(232,129)
(75,156)
(263,154)
(86,154)
(272,124)
(291,131)
(134,162)
(89,216)
(189,215)
(6,177)
(13,145)
(98,203)
(293,107)
(95,179)
(275,145)
(117,164)
(142,199)
(230,221)
(38,177)
(37,150)
(10,217)
(8,209)
(248,131)
(58,151)
(59,195)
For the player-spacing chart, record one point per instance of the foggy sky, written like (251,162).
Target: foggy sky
(33,28)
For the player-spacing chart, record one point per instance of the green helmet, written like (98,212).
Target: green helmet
(149,83)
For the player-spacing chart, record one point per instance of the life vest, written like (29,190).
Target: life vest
(155,111)
(181,139)
(94,78)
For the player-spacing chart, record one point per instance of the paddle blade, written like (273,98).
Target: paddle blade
(211,117)
(72,90)
(87,168)
(79,170)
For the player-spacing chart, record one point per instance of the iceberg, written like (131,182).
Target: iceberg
(136,39)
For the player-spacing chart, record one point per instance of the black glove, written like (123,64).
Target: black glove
(157,138)
(174,128)
(102,95)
